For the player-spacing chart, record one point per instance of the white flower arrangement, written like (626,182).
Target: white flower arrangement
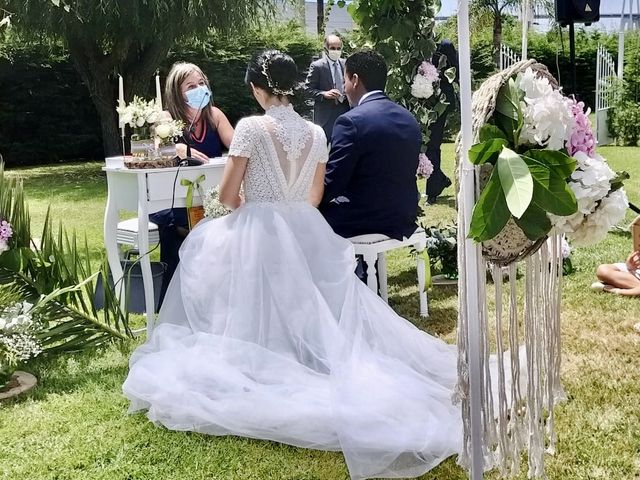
(139,113)
(18,342)
(422,87)
(213,208)
(168,129)
(537,128)
(599,205)
(548,120)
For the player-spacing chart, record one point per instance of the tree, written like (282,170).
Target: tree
(485,12)
(402,32)
(129,37)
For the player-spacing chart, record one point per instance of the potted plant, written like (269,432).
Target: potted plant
(18,343)
(442,248)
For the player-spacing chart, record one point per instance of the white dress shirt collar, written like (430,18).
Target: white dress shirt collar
(369,94)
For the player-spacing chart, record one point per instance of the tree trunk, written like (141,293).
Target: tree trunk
(497,37)
(302,14)
(96,71)
(320,15)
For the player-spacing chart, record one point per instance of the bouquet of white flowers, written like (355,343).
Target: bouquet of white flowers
(139,114)
(18,342)
(213,208)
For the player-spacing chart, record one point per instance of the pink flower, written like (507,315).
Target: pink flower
(425,167)
(5,231)
(429,71)
(582,138)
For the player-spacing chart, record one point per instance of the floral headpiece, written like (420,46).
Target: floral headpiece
(265,72)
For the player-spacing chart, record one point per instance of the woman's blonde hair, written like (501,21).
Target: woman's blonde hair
(174,100)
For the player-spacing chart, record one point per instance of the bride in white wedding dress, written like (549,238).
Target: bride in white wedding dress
(266,332)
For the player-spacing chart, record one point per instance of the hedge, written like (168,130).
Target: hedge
(47,114)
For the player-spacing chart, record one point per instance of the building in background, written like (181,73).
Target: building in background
(339,20)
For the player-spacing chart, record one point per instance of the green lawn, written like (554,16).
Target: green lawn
(74,425)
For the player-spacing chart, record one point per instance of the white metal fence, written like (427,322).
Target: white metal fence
(605,92)
(507,57)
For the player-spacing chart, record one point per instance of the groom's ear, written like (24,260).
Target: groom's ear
(355,80)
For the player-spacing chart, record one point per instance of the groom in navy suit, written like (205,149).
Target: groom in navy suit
(370,183)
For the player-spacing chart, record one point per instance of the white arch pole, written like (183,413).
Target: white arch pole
(621,37)
(525,29)
(467,200)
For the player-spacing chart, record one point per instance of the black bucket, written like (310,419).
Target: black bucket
(134,286)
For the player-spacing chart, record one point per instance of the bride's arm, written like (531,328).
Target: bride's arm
(317,188)
(231,182)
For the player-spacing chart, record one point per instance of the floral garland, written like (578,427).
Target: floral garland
(547,175)
(425,167)
(6,232)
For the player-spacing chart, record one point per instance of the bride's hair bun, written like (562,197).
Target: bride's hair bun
(273,71)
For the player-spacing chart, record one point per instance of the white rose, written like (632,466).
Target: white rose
(140,122)
(163,131)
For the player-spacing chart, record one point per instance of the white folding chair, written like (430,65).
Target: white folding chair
(374,246)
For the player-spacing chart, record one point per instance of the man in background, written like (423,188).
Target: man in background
(325,83)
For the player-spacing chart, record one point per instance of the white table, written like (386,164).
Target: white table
(147,191)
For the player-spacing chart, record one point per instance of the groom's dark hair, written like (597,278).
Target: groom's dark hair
(370,67)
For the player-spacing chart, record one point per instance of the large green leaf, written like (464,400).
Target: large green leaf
(516,181)
(550,191)
(508,101)
(490,213)
(508,125)
(508,115)
(486,152)
(489,132)
(562,163)
(534,223)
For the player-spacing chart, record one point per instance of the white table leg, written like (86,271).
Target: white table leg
(382,276)
(111,245)
(424,305)
(143,244)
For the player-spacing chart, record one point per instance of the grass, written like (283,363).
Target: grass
(74,424)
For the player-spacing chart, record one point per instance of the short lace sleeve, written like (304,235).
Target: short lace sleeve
(243,142)
(323,149)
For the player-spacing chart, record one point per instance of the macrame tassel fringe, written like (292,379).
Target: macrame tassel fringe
(521,383)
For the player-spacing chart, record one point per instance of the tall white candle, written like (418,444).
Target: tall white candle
(121,103)
(158,93)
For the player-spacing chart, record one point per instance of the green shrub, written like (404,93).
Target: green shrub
(624,123)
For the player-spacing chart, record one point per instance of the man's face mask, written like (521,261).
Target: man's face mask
(334,54)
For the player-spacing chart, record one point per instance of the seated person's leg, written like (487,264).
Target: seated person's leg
(617,279)
(172,229)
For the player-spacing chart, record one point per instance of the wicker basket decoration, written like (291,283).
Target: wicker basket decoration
(511,244)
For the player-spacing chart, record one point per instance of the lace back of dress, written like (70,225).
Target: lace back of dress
(292,142)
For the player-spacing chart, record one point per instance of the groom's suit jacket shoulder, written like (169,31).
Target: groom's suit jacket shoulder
(370,184)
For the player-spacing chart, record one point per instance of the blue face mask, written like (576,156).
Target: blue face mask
(198,97)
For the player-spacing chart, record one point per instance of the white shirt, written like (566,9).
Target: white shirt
(369,94)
